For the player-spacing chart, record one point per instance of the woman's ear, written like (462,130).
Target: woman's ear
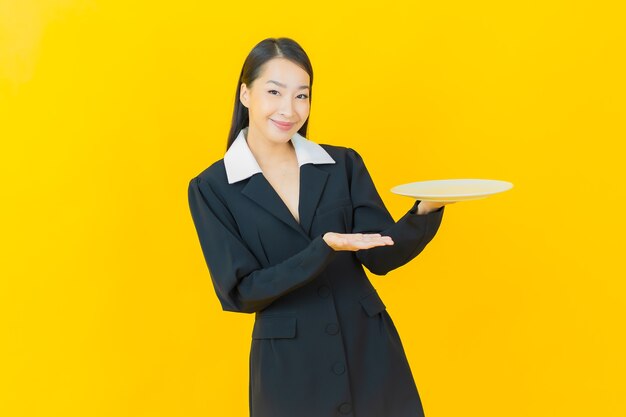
(243,95)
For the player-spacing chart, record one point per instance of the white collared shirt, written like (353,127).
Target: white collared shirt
(241,164)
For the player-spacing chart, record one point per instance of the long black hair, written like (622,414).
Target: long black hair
(264,51)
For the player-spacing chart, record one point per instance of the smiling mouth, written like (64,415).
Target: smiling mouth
(282,123)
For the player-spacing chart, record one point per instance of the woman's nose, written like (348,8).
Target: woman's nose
(286,107)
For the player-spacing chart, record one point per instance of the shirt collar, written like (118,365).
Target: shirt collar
(241,164)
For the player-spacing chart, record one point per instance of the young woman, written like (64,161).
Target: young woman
(286,226)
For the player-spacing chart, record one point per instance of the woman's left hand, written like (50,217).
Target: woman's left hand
(425,207)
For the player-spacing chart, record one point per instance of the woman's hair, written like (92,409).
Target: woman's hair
(264,51)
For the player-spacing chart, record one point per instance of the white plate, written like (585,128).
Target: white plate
(452,190)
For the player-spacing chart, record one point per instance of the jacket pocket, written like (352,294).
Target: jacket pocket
(274,328)
(343,202)
(372,304)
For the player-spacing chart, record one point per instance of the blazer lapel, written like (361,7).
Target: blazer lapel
(312,183)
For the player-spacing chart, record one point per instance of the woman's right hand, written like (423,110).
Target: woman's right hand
(355,241)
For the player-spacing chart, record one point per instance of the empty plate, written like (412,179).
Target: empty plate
(452,189)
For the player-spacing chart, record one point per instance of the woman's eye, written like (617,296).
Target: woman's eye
(275,91)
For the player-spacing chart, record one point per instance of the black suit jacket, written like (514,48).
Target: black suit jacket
(323,343)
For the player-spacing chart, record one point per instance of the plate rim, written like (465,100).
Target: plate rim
(503,182)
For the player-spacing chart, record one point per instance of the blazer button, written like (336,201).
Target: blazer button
(345,408)
(338,368)
(332,328)
(323,291)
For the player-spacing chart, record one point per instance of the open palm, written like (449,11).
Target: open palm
(355,241)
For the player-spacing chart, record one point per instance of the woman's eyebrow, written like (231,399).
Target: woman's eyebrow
(302,87)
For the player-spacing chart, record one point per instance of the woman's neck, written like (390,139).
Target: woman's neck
(267,152)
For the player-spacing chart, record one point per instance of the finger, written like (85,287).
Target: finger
(362,244)
(375,244)
(382,239)
(371,237)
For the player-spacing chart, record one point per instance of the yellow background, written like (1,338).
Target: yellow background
(109,108)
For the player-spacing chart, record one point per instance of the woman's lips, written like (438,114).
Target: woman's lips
(282,125)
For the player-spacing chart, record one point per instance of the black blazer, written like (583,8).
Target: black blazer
(323,343)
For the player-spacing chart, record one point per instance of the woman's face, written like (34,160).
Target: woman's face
(279,94)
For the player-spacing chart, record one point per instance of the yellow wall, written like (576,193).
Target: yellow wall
(108,108)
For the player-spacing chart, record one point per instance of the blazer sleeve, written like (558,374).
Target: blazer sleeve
(240,282)
(411,233)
